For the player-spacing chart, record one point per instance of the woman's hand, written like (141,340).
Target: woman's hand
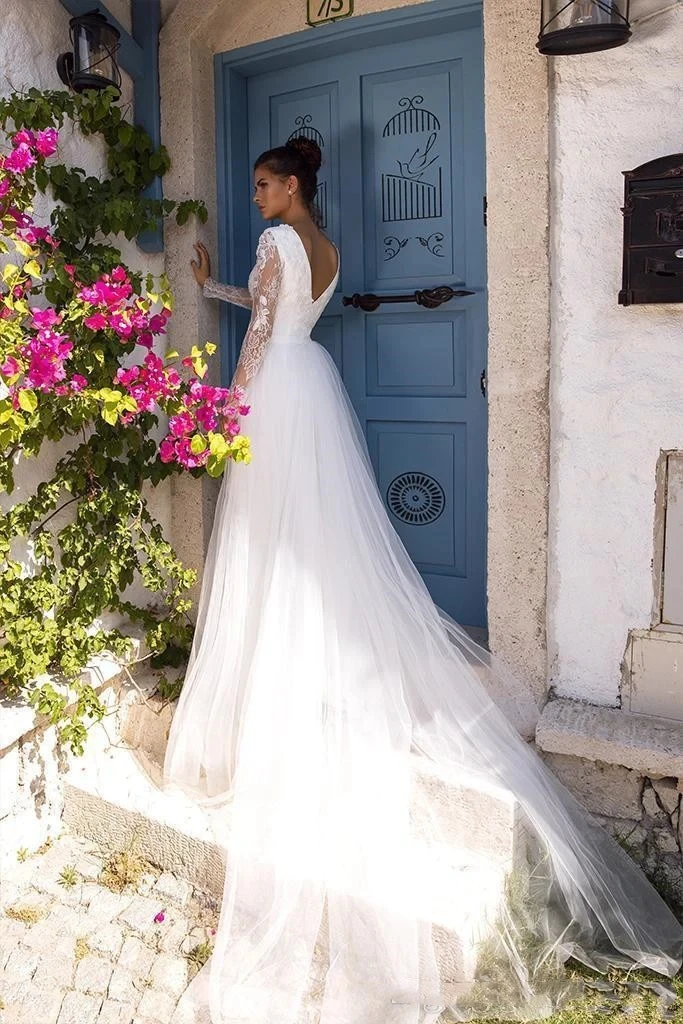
(201,267)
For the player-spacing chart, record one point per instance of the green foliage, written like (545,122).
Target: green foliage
(51,601)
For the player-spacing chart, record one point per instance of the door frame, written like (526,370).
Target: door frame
(231,71)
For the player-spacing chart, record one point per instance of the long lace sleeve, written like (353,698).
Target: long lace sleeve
(268,276)
(227,292)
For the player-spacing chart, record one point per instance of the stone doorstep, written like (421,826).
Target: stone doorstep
(651,746)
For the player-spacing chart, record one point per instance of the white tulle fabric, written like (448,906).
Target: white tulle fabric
(362,757)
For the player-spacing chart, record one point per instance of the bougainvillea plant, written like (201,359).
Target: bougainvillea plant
(86,384)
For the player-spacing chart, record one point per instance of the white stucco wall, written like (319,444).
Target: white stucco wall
(616,372)
(31,37)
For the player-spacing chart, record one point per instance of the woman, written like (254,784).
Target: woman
(395,847)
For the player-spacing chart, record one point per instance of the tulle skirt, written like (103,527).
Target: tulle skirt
(395,848)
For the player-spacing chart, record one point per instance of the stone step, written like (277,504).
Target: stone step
(467,835)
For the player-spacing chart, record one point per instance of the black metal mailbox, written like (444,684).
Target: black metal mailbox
(653,232)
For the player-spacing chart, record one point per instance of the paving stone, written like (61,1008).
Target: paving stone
(136,956)
(156,1005)
(175,890)
(41,1004)
(12,992)
(79,1008)
(172,939)
(42,936)
(68,920)
(89,867)
(140,914)
(108,939)
(104,905)
(36,901)
(12,932)
(22,964)
(71,896)
(57,963)
(169,974)
(124,986)
(147,883)
(113,1012)
(93,974)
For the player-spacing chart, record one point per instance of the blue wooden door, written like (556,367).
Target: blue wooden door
(401,128)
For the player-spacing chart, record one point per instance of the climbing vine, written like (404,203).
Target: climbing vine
(81,376)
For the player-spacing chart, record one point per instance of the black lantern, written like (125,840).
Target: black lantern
(582,26)
(91,63)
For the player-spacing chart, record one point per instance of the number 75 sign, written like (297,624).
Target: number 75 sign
(321,11)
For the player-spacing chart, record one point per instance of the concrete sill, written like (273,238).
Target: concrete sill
(649,745)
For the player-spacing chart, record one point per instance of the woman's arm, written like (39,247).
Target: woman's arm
(201,268)
(268,277)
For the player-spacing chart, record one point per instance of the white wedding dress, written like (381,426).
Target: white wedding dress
(394,846)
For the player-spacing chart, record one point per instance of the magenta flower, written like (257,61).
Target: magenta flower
(24,138)
(166,450)
(46,142)
(44,317)
(181,424)
(20,159)
(4,187)
(10,367)
(78,382)
(119,324)
(96,322)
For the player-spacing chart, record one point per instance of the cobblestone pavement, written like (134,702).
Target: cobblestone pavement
(86,954)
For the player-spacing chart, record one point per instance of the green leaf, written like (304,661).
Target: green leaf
(28,400)
(33,268)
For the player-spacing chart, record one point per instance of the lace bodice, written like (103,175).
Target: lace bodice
(283,310)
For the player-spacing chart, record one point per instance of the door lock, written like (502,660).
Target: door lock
(483,382)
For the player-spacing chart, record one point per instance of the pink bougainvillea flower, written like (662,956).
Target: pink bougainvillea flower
(120,325)
(161,916)
(46,142)
(181,424)
(96,322)
(61,390)
(70,269)
(166,450)
(4,187)
(24,138)
(44,317)
(146,339)
(119,274)
(10,367)
(78,382)
(20,159)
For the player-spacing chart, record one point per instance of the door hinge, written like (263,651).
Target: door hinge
(484,209)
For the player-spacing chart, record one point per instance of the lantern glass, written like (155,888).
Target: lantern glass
(95,42)
(583,26)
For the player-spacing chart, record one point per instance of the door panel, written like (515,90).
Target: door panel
(401,191)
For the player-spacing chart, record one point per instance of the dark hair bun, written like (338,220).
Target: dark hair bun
(307,150)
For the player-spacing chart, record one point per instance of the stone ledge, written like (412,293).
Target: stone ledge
(651,746)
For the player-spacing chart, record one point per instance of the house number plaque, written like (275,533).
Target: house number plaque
(322,11)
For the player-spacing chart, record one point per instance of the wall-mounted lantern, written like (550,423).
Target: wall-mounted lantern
(582,26)
(91,63)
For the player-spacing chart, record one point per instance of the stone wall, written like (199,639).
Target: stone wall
(616,372)
(643,813)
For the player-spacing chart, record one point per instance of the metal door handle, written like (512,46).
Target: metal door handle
(428,297)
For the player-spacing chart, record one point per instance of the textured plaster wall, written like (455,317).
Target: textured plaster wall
(517,131)
(31,37)
(616,373)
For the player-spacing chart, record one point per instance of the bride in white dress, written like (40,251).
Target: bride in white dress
(395,846)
